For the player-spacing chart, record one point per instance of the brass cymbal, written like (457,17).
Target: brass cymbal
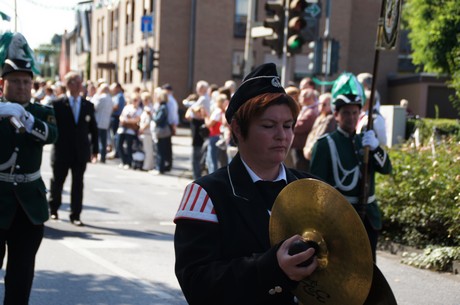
(318,212)
(380,293)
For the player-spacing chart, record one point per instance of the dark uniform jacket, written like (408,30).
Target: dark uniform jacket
(73,143)
(223,252)
(21,153)
(337,158)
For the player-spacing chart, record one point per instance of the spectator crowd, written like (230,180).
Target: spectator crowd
(137,127)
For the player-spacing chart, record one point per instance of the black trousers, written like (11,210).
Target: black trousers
(22,241)
(169,154)
(373,235)
(60,171)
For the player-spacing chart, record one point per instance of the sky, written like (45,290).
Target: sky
(39,20)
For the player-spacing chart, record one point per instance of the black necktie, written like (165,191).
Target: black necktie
(269,190)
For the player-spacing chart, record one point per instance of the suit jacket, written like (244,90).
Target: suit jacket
(226,257)
(73,144)
(21,153)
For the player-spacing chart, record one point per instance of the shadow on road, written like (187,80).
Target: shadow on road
(67,288)
(91,232)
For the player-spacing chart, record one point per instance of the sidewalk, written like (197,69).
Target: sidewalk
(182,150)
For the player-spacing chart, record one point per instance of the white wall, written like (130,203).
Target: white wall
(395,123)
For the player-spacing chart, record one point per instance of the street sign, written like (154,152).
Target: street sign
(147,24)
(313,9)
(261,31)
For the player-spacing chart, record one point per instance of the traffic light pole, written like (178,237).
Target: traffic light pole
(145,61)
(284,55)
(327,50)
(248,60)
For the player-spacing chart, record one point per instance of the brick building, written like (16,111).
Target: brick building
(205,40)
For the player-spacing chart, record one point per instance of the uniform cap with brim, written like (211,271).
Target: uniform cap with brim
(346,99)
(16,54)
(263,79)
(347,90)
(16,65)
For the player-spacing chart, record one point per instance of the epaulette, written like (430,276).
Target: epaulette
(44,112)
(42,106)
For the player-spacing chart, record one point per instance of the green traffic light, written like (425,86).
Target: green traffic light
(294,43)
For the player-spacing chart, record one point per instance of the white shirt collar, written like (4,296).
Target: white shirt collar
(346,134)
(255,178)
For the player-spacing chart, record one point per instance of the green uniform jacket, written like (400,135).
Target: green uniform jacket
(21,153)
(337,158)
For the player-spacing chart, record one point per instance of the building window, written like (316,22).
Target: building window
(405,64)
(102,34)
(238,64)
(131,68)
(113,40)
(149,10)
(129,17)
(125,71)
(241,16)
(149,7)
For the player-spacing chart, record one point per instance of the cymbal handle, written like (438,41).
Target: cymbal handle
(17,124)
(301,246)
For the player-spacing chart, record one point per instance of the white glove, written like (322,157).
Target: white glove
(28,120)
(369,139)
(9,109)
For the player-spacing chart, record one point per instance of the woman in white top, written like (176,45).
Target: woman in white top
(145,134)
(102,111)
(127,131)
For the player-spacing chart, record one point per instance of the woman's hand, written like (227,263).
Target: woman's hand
(289,263)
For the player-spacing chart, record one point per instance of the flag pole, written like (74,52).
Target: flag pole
(15,16)
(365,179)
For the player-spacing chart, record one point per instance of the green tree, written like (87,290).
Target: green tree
(435,38)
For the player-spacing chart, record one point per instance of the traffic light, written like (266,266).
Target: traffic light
(296,23)
(315,57)
(275,20)
(334,59)
(140,60)
(150,59)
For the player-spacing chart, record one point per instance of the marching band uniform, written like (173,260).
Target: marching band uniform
(231,261)
(337,157)
(23,204)
(222,244)
(20,161)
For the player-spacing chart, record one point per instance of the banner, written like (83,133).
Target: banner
(387,33)
(4,16)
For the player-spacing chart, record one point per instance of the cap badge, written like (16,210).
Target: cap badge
(276,82)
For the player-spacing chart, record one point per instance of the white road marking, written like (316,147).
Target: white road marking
(76,246)
(167,223)
(109,190)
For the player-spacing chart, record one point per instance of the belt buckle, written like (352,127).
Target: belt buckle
(19,178)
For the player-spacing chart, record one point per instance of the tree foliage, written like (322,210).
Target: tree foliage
(435,37)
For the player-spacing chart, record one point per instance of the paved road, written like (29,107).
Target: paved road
(124,255)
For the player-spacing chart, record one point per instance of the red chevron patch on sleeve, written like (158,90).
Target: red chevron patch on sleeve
(196,205)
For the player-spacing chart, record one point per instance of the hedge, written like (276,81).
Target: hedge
(420,199)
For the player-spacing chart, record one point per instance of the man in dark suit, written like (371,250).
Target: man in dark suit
(73,149)
(25,128)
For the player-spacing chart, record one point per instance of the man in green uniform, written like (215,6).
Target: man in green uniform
(24,129)
(337,157)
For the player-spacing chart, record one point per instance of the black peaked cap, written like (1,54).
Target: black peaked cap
(263,79)
(15,65)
